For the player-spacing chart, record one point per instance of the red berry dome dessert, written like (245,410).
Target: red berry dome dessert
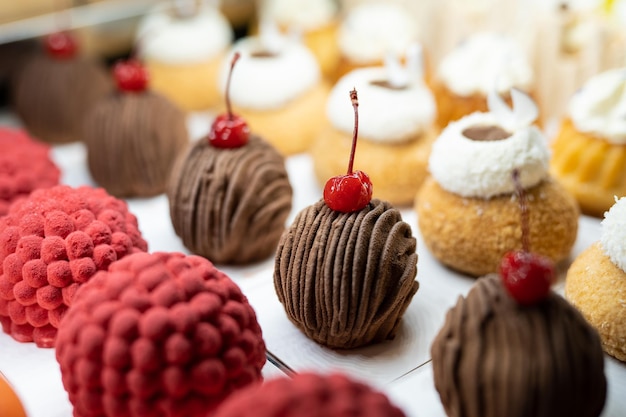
(345,269)
(133,137)
(310,394)
(51,243)
(54,90)
(229,193)
(514,348)
(161,334)
(25,165)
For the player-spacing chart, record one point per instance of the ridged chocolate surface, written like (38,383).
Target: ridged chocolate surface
(230,205)
(494,358)
(53,96)
(132,142)
(346,279)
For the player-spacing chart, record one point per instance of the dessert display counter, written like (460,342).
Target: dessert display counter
(400,367)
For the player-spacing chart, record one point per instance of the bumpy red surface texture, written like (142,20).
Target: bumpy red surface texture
(160,334)
(25,165)
(52,242)
(309,395)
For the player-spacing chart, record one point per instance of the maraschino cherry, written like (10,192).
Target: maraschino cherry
(526,276)
(61,45)
(130,76)
(229,130)
(353,191)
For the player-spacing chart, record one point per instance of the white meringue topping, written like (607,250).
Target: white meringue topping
(599,107)
(473,168)
(613,238)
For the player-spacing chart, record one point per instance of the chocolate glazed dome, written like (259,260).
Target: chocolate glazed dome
(132,141)
(346,279)
(52,96)
(230,205)
(494,358)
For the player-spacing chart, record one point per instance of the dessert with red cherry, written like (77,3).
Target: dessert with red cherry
(229,192)
(134,135)
(347,241)
(511,339)
(55,89)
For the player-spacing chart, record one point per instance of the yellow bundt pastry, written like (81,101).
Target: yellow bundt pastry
(397,114)
(596,282)
(279,90)
(470,71)
(468,211)
(589,152)
(183,49)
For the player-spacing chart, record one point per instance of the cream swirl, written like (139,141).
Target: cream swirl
(372,30)
(482,168)
(266,80)
(300,14)
(474,64)
(613,239)
(386,113)
(164,37)
(599,107)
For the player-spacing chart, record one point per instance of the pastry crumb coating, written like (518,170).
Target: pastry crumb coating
(598,289)
(472,234)
(396,170)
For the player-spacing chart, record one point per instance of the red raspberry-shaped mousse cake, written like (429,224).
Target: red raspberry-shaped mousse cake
(25,165)
(52,242)
(160,334)
(309,395)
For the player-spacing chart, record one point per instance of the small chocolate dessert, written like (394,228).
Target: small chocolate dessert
(54,91)
(133,136)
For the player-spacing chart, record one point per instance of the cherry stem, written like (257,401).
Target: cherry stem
(521,195)
(355,106)
(230,74)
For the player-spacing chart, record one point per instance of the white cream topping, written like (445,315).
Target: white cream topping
(270,82)
(482,59)
(371,30)
(613,237)
(599,107)
(301,14)
(472,168)
(385,114)
(164,37)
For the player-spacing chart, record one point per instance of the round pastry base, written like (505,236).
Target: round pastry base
(597,287)
(193,86)
(323,43)
(396,170)
(590,168)
(291,128)
(472,235)
(451,106)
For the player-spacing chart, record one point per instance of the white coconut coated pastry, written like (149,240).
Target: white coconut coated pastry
(269,76)
(599,107)
(165,37)
(386,114)
(474,65)
(474,168)
(372,30)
